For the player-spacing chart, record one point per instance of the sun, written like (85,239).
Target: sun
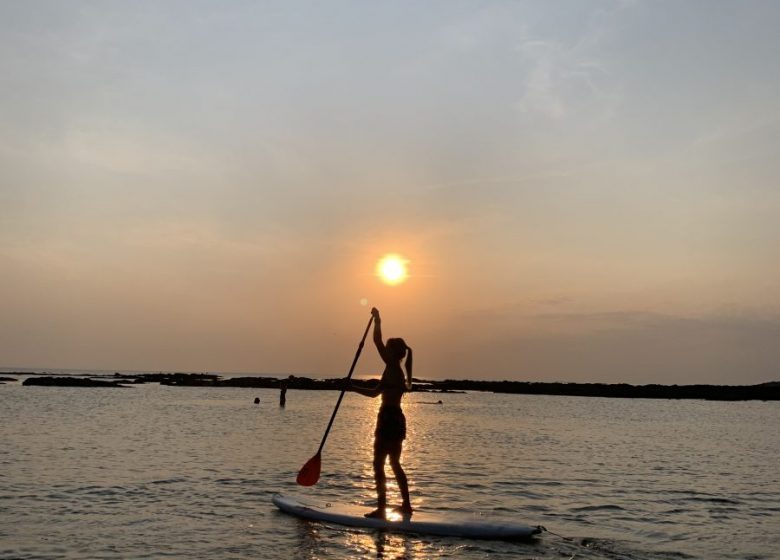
(391,269)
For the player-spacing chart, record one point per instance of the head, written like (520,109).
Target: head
(396,347)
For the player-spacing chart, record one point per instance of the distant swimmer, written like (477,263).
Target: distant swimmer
(390,429)
(283,393)
(257,400)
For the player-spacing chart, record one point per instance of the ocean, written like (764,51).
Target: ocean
(182,472)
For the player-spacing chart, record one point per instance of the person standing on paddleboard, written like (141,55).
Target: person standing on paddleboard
(390,423)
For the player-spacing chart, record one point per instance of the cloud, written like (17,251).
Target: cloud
(130,147)
(542,89)
(565,75)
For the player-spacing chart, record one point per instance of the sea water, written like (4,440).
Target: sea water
(153,471)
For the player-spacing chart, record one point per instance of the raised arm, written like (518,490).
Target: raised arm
(380,346)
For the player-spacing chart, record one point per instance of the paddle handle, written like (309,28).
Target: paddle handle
(344,390)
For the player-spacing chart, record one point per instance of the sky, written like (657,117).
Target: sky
(584,191)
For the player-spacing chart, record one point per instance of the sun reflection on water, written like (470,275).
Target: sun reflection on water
(383,544)
(392,516)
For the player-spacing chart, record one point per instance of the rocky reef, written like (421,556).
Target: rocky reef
(765,391)
(69,382)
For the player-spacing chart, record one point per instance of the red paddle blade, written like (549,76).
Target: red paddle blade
(310,472)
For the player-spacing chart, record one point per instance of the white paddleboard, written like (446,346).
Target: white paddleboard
(424,523)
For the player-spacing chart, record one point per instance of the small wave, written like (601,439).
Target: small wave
(613,549)
(174,480)
(675,511)
(233,481)
(604,507)
(102,491)
(539,482)
(715,500)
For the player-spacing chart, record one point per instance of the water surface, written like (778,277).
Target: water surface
(154,471)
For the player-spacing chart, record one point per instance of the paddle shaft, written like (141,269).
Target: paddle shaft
(344,390)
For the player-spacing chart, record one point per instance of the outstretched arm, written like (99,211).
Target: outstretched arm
(372,392)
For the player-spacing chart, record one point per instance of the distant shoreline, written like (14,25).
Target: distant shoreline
(765,391)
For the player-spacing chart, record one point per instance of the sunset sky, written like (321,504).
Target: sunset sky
(584,191)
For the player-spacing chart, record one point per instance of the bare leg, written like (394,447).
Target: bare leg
(380,455)
(400,477)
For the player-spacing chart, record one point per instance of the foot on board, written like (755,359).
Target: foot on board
(378,513)
(405,510)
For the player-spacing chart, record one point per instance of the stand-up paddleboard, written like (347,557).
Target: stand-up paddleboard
(420,522)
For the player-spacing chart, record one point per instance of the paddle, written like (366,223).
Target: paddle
(310,472)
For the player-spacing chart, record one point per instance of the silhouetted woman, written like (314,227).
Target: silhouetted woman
(390,423)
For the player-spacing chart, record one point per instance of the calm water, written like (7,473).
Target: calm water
(153,471)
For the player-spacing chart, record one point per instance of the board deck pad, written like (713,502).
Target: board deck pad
(425,523)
